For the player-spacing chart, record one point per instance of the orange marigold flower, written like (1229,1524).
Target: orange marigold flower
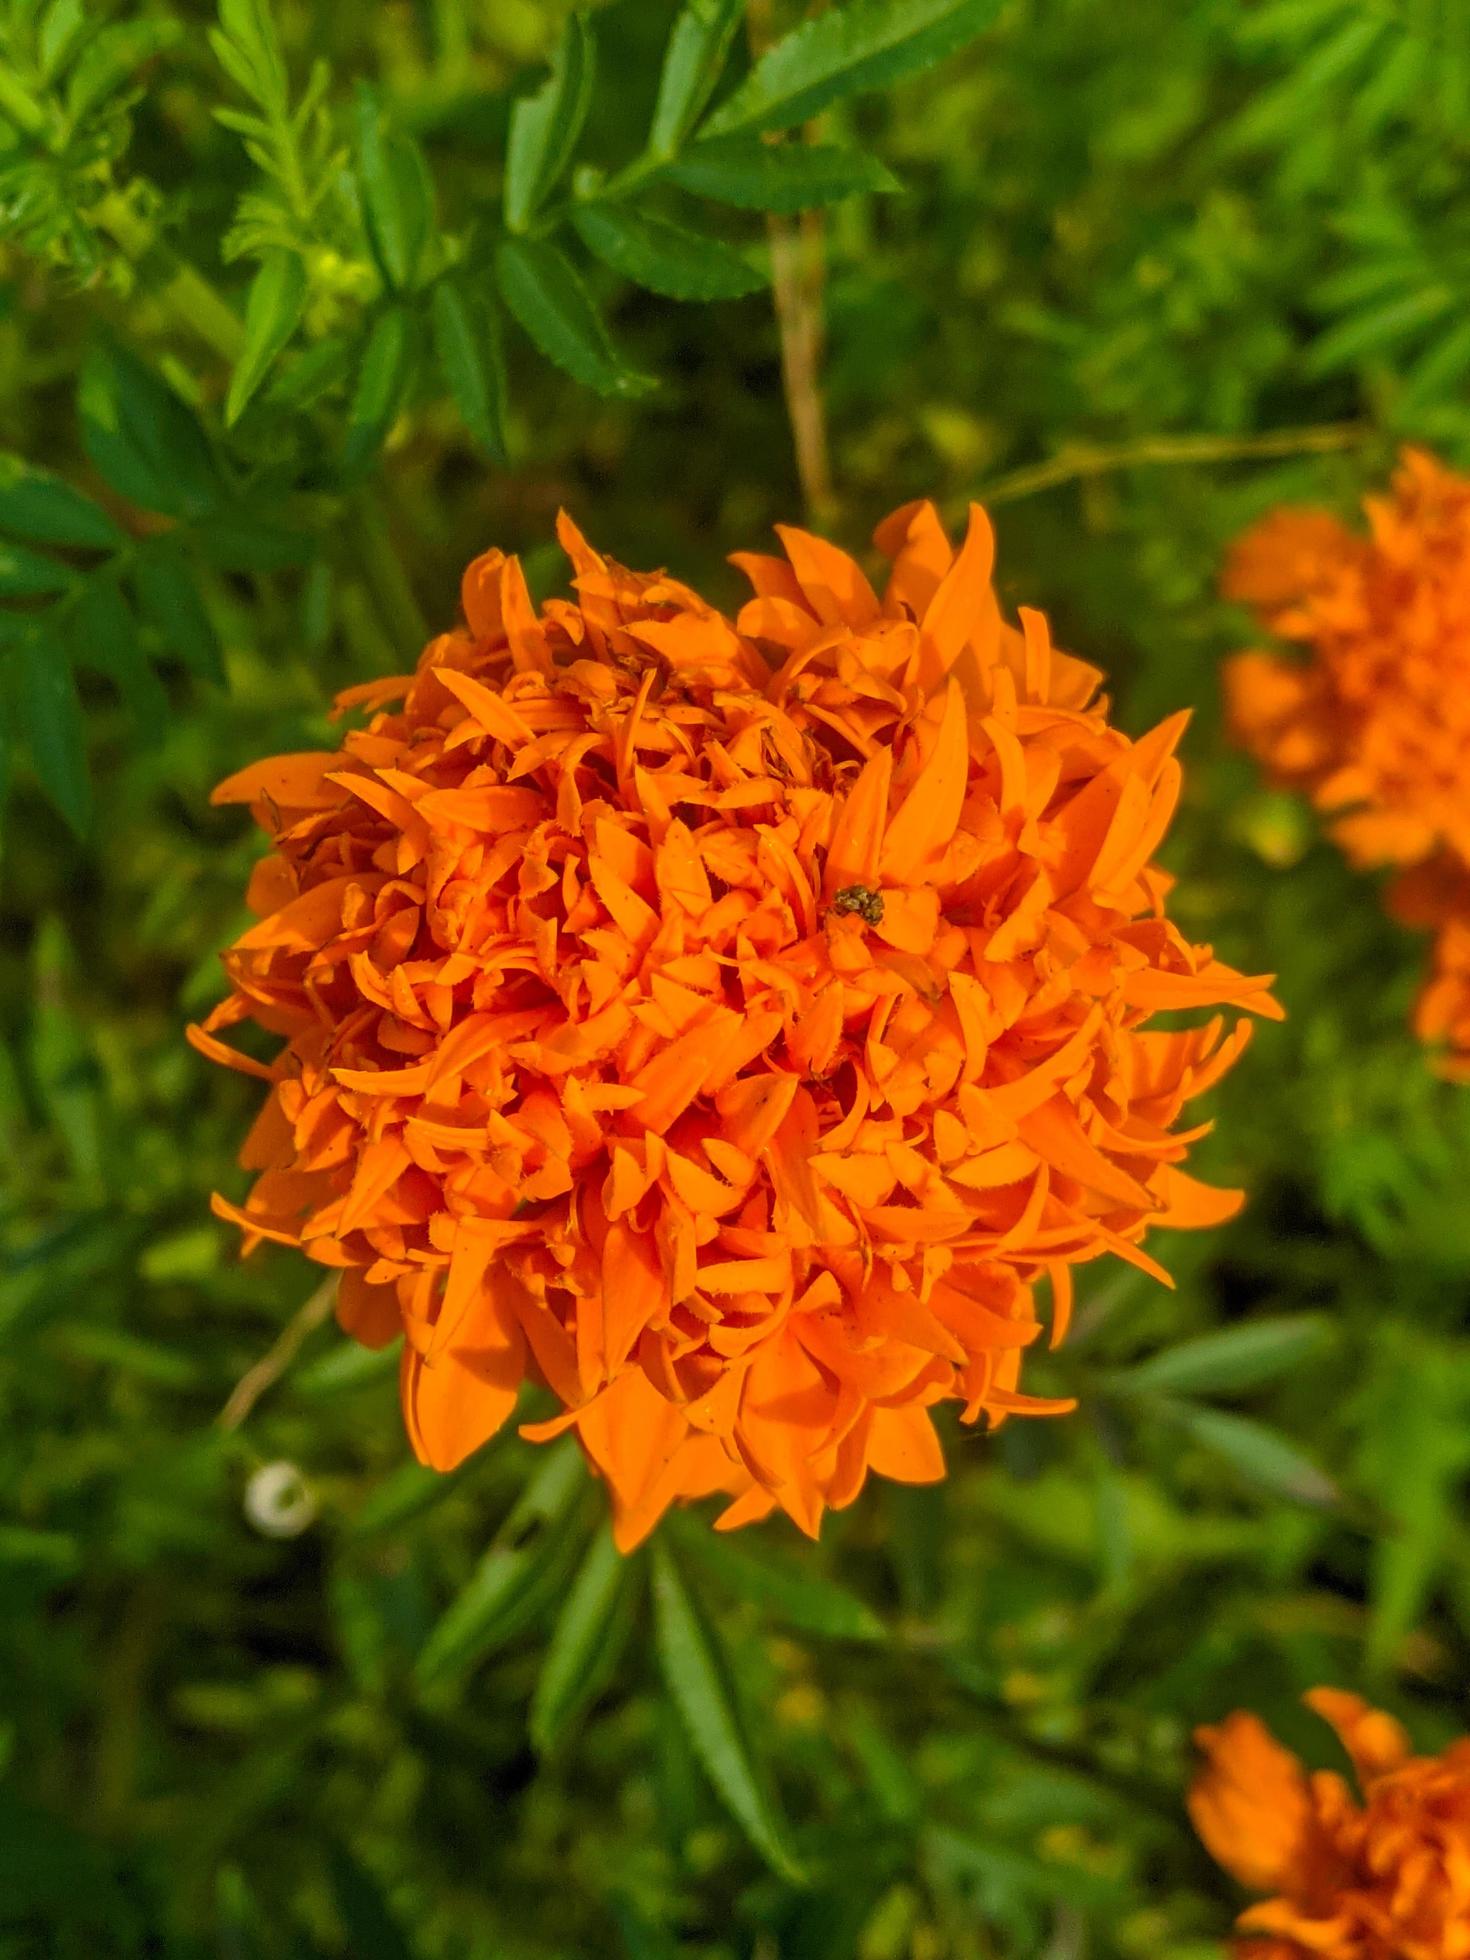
(724,1023)
(1384,1875)
(1375,723)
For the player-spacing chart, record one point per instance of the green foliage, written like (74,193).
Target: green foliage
(299,310)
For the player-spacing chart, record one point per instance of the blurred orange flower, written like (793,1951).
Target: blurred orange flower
(1375,723)
(725,1023)
(1384,1875)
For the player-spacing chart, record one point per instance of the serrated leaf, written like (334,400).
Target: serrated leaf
(467,342)
(142,440)
(51,724)
(382,384)
(103,637)
(801,1598)
(665,258)
(792,176)
(544,127)
(866,44)
(397,194)
(169,600)
(1259,1453)
(273,312)
(43,509)
(585,1642)
(694,58)
(701,1684)
(521,1574)
(28,575)
(541,287)
(1233,1357)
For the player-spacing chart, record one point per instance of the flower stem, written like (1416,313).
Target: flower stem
(1080,461)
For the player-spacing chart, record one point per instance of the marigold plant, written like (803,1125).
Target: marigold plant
(1381,1875)
(1374,724)
(725,1023)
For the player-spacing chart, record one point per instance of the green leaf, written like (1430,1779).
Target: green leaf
(467,341)
(542,290)
(50,718)
(697,1672)
(804,1600)
(1259,1453)
(372,1933)
(866,44)
(382,384)
(142,440)
(665,258)
(544,127)
(524,1570)
(397,194)
(28,575)
(1234,1357)
(62,27)
(169,600)
(111,57)
(585,1644)
(1021,1871)
(236,541)
(41,508)
(694,59)
(103,637)
(791,176)
(272,314)
(1379,329)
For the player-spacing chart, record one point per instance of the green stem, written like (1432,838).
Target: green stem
(383,573)
(1081,462)
(183,289)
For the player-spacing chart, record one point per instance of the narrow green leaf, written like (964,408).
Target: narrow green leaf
(41,508)
(791,176)
(397,194)
(585,1642)
(697,1672)
(272,314)
(544,127)
(111,57)
(142,440)
(1259,1453)
(1234,1357)
(1379,329)
(665,258)
(694,59)
(467,341)
(62,27)
(804,1600)
(382,384)
(28,575)
(103,637)
(169,600)
(50,718)
(524,1570)
(866,44)
(542,290)
(372,1932)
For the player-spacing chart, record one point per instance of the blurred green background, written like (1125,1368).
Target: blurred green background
(271,1690)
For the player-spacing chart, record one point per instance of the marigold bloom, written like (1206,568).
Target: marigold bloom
(1384,1875)
(1375,723)
(725,1023)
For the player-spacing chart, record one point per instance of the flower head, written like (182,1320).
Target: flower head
(1380,1875)
(1374,724)
(725,1023)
